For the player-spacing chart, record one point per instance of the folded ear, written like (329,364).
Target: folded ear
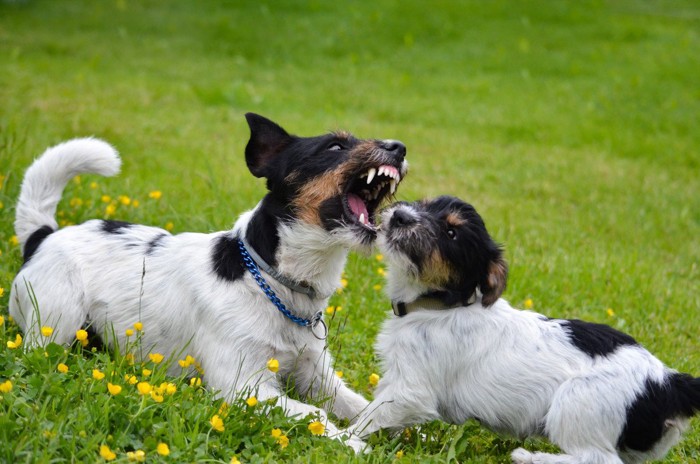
(494,284)
(267,139)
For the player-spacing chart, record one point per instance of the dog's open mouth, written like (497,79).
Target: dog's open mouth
(367,192)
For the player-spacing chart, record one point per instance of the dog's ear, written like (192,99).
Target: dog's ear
(493,285)
(267,139)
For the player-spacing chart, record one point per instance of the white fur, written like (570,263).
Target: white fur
(231,328)
(518,373)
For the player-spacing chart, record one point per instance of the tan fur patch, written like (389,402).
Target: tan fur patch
(455,220)
(314,193)
(436,271)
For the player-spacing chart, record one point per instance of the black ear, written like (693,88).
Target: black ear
(267,139)
(493,285)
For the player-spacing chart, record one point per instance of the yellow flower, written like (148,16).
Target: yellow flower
(14,241)
(129,358)
(138,326)
(93,185)
(76,180)
(217,423)
(2,319)
(399,454)
(273,364)
(155,195)
(224,408)
(170,388)
(124,200)
(373,379)
(106,198)
(138,456)
(97,374)
(110,209)
(381,271)
(114,390)
(75,202)
(252,401)
(16,344)
(195,382)
(144,388)
(379,257)
(234,460)
(156,397)
(317,428)
(131,379)
(339,374)
(146,372)
(377,287)
(344,283)
(528,304)
(62,368)
(6,387)
(330,310)
(2,291)
(169,226)
(129,332)
(156,358)
(276,433)
(187,362)
(81,335)
(106,453)
(163,449)
(283,441)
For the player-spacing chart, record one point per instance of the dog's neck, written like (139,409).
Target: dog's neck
(437,301)
(301,253)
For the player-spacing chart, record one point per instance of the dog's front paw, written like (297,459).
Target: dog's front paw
(521,456)
(353,441)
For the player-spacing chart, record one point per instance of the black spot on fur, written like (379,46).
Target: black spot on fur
(226,258)
(115,227)
(595,339)
(155,243)
(37,237)
(677,397)
(262,231)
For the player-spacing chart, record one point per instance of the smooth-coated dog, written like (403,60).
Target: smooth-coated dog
(198,293)
(454,350)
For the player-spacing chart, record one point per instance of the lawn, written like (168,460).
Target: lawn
(571,126)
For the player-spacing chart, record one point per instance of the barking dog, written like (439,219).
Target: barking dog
(200,292)
(456,351)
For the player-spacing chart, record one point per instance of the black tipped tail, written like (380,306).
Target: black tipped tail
(687,389)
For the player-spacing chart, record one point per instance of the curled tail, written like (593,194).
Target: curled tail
(46,178)
(687,389)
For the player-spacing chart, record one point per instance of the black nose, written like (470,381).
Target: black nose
(395,148)
(402,218)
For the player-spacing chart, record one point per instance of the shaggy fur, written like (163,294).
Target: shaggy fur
(462,353)
(191,291)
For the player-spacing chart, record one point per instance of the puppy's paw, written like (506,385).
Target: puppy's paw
(358,445)
(521,456)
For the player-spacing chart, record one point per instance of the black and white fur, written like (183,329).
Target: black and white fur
(593,391)
(191,291)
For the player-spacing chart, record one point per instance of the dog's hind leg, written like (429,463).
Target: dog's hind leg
(593,456)
(34,305)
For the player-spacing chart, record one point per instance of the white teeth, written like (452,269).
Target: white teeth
(370,175)
(363,219)
(392,185)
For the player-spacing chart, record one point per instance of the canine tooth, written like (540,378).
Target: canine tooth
(370,175)
(362,218)
(392,185)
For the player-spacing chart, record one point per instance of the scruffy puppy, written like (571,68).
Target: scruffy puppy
(456,351)
(231,299)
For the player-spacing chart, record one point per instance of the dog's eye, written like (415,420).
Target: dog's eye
(335,147)
(452,234)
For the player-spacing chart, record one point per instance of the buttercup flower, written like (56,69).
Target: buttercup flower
(2,291)
(129,332)
(373,379)
(528,304)
(252,401)
(156,397)
(97,374)
(379,257)
(169,226)
(155,357)
(107,454)
(234,460)
(114,390)
(317,428)
(6,386)
(106,198)
(610,312)
(62,368)
(377,287)
(2,318)
(81,335)
(399,454)
(138,326)
(195,382)
(144,388)
(187,362)
(15,344)
(280,437)
(163,449)
(136,456)
(146,372)
(124,200)
(273,364)
(131,379)
(155,195)
(217,423)
(14,241)
(339,374)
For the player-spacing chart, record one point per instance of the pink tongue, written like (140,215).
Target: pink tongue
(357,205)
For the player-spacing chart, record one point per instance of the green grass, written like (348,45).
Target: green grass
(571,126)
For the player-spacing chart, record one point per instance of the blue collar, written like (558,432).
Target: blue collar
(250,264)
